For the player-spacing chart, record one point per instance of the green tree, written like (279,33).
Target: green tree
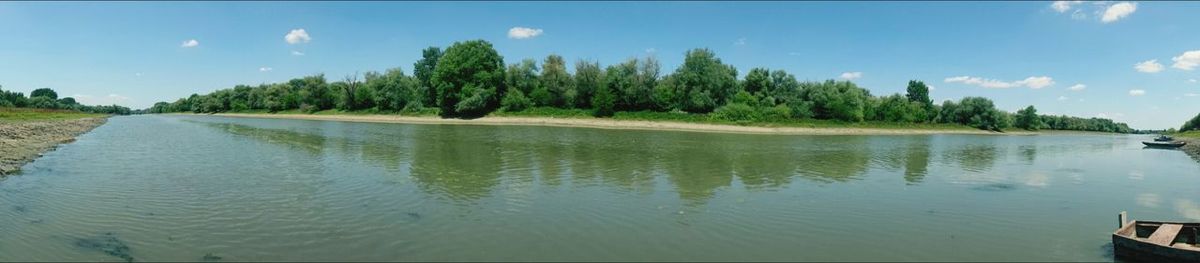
(840,100)
(423,71)
(1028,119)
(524,77)
(44,92)
(469,78)
(1191,125)
(557,82)
(701,84)
(589,77)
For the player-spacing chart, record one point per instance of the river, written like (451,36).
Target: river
(191,188)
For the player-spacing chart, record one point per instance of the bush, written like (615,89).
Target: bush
(515,100)
(777,113)
(736,112)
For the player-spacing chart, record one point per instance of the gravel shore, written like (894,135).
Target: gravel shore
(21,142)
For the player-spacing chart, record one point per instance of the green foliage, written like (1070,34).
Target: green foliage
(840,100)
(515,100)
(44,92)
(736,112)
(1191,125)
(604,101)
(1028,119)
(980,113)
(423,71)
(701,84)
(43,102)
(469,77)
(556,85)
(589,77)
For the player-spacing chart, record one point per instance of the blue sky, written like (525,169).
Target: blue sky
(1017,53)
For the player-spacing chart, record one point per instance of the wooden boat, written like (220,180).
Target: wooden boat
(1163,138)
(1165,144)
(1155,241)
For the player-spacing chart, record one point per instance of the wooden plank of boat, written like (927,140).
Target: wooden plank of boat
(1165,144)
(1165,234)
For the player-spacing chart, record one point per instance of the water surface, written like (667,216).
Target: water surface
(190,188)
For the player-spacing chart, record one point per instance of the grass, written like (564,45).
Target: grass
(28,114)
(1188,134)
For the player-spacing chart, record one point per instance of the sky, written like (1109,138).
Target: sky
(1134,62)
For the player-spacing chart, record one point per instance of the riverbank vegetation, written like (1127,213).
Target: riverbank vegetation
(48,100)
(9,114)
(470,79)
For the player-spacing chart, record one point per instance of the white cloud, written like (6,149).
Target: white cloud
(190,43)
(931,87)
(1117,11)
(651,50)
(795,54)
(1137,92)
(297,53)
(523,32)
(1192,80)
(139,74)
(101,100)
(1191,95)
(1062,98)
(1101,115)
(1037,82)
(1077,87)
(1031,82)
(1063,6)
(265,69)
(1187,61)
(851,75)
(297,36)
(740,42)
(1149,66)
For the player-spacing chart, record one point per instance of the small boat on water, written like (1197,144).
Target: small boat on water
(1172,144)
(1155,241)
(1163,138)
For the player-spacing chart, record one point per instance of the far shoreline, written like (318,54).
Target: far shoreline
(656,125)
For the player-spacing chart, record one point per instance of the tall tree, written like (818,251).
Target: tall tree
(589,77)
(1028,119)
(557,82)
(702,83)
(423,71)
(469,78)
(44,92)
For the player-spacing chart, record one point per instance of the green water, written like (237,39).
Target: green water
(190,188)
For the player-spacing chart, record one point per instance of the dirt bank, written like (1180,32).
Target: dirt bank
(621,124)
(21,142)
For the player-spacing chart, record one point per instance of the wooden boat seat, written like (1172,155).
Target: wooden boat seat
(1165,234)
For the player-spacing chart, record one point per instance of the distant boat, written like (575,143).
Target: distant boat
(1165,144)
(1163,138)
(1156,241)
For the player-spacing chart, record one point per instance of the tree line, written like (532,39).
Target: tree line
(470,79)
(45,98)
(1191,125)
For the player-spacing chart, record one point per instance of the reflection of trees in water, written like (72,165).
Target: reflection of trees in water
(910,153)
(916,161)
(698,170)
(444,164)
(975,157)
(1028,153)
(842,159)
(309,143)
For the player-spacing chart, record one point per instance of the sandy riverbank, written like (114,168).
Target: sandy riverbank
(621,124)
(21,142)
